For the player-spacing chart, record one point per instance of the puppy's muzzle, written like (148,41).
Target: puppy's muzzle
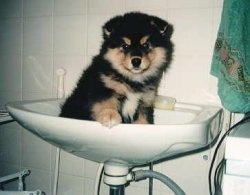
(136,62)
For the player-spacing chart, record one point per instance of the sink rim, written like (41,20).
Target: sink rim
(123,129)
(184,107)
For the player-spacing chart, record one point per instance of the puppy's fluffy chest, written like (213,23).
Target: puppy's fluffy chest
(131,97)
(130,104)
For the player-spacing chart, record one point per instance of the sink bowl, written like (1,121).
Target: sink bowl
(186,128)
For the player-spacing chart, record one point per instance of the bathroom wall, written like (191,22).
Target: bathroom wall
(39,36)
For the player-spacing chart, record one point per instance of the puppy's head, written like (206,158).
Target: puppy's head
(137,45)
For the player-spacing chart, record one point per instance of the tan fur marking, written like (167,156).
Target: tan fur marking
(118,87)
(110,103)
(144,39)
(127,40)
(116,57)
(157,56)
(106,112)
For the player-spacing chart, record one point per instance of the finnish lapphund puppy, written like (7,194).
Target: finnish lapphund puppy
(121,83)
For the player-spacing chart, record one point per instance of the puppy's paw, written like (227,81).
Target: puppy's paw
(109,118)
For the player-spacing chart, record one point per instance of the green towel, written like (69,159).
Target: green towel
(231,58)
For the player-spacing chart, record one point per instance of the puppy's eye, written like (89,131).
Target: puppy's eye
(146,46)
(125,46)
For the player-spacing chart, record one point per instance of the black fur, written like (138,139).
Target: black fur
(93,88)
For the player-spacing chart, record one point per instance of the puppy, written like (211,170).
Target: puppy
(121,83)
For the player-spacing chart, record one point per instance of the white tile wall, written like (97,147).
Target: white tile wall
(107,7)
(37,73)
(69,184)
(9,95)
(34,152)
(70,29)
(190,4)
(197,26)
(38,37)
(10,36)
(94,32)
(140,5)
(10,136)
(66,7)
(10,73)
(10,8)
(37,8)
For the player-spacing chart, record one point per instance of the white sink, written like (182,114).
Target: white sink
(186,128)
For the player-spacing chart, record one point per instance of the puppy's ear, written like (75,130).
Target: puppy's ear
(110,26)
(164,28)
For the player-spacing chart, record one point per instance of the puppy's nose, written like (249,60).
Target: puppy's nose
(136,62)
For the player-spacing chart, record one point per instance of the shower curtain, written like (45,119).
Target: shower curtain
(231,57)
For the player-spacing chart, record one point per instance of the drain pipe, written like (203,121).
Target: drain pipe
(144,174)
(60,94)
(116,175)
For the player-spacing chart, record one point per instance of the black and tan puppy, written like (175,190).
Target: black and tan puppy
(121,83)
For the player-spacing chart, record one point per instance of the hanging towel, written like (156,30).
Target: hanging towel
(231,58)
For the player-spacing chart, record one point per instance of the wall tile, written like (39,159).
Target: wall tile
(218,3)
(37,7)
(35,151)
(8,168)
(10,72)
(68,7)
(90,169)
(10,135)
(9,95)
(192,30)
(37,73)
(10,36)
(213,89)
(68,184)
(10,8)
(136,190)
(89,185)
(69,35)
(37,35)
(70,164)
(94,32)
(35,95)
(216,22)
(99,7)
(189,4)
(182,168)
(186,84)
(160,14)
(141,5)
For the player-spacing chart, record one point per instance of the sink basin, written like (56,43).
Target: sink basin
(186,128)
